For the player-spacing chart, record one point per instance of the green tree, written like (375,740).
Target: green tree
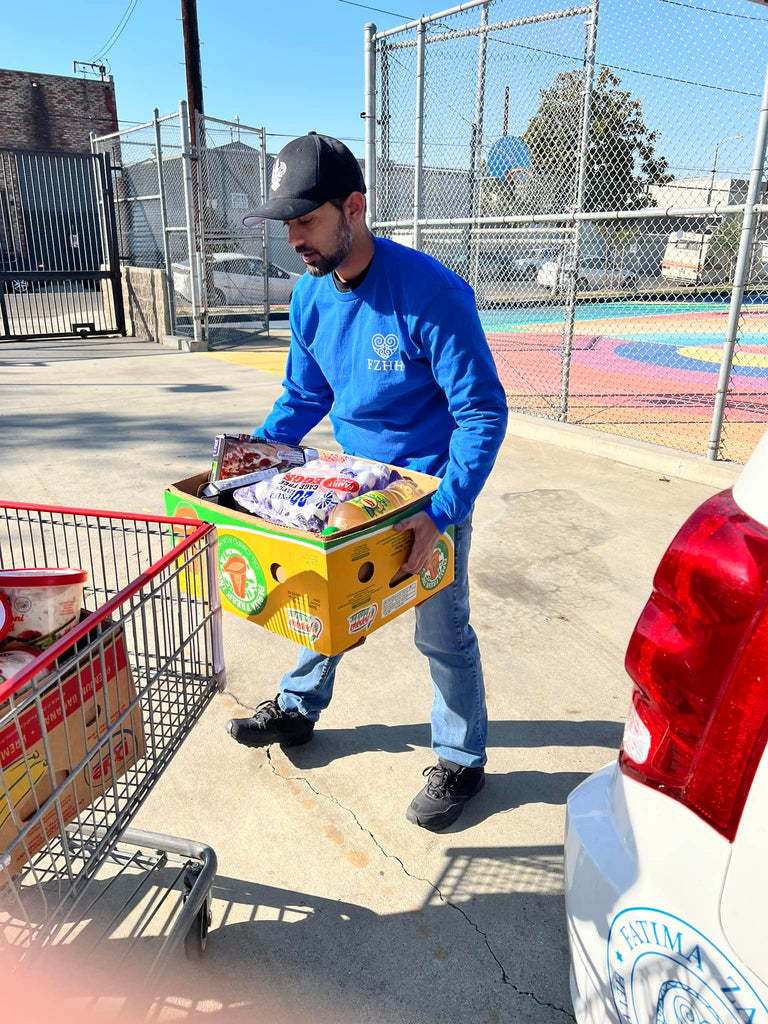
(621,157)
(724,242)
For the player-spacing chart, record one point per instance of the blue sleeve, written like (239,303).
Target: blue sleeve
(463,366)
(307,396)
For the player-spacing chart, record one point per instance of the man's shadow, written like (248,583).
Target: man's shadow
(503,791)
(332,744)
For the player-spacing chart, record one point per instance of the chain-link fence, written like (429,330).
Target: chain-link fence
(154,203)
(239,283)
(596,173)
(190,267)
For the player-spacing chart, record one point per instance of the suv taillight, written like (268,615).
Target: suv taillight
(699,659)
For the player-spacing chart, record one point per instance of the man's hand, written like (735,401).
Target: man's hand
(425,535)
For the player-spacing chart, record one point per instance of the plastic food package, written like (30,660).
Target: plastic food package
(304,497)
(44,602)
(13,661)
(237,454)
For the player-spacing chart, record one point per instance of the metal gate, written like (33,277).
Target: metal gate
(59,271)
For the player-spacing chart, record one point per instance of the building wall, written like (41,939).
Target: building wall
(54,111)
(145,301)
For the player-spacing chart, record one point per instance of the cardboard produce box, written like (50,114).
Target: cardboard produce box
(74,713)
(323,592)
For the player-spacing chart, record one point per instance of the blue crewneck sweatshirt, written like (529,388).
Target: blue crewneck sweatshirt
(403,367)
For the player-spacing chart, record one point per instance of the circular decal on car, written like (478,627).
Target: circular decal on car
(432,575)
(240,576)
(664,971)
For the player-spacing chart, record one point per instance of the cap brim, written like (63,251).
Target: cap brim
(280,209)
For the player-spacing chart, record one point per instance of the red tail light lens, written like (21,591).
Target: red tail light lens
(699,660)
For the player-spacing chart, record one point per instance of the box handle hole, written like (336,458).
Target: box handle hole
(278,573)
(365,572)
(400,575)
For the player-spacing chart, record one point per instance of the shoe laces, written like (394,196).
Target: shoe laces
(441,778)
(267,711)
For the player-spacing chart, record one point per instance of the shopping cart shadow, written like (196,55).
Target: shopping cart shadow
(285,956)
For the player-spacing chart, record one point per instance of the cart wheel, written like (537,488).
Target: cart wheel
(190,877)
(196,938)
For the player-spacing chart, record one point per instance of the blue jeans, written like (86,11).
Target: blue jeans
(443,633)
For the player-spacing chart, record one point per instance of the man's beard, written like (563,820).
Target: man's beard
(343,243)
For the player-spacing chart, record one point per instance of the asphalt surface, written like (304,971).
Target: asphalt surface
(329,905)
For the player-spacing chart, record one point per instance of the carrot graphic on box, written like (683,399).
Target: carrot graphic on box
(433,565)
(235,567)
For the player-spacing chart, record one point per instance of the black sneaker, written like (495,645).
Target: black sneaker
(270,724)
(442,800)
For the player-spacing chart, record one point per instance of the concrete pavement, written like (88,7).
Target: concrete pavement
(329,905)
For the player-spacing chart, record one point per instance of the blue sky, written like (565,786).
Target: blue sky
(292,65)
(297,65)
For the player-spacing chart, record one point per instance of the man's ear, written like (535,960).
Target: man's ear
(354,206)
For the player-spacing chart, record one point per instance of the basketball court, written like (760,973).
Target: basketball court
(643,370)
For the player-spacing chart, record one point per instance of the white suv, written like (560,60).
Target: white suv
(594,274)
(665,849)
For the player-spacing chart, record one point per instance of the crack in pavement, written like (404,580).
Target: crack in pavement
(392,856)
(236,699)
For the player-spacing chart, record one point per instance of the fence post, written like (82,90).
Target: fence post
(581,180)
(370,123)
(112,246)
(164,221)
(201,195)
(418,152)
(740,275)
(189,208)
(264,229)
(476,161)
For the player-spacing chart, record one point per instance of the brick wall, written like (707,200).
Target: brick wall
(53,111)
(146,304)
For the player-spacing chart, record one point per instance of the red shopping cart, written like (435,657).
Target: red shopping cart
(88,726)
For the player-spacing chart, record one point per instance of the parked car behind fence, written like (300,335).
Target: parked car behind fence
(238,280)
(594,274)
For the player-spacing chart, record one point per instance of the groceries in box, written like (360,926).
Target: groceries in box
(305,496)
(300,488)
(37,607)
(317,557)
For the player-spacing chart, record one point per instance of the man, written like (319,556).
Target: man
(388,342)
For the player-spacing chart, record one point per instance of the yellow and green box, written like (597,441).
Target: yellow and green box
(323,592)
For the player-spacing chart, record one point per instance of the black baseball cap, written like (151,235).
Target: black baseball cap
(306,173)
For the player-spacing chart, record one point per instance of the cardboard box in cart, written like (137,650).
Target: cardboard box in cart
(323,592)
(74,713)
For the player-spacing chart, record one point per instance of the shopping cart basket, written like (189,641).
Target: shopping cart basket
(87,728)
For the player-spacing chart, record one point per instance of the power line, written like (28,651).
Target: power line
(379,10)
(631,71)
(127,13)
(708,10)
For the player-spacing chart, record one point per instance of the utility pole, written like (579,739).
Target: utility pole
(192,62)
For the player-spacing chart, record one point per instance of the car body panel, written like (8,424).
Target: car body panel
(643,877)
(666,915)
(593,273)
(240,280)
(744,905)
(751,489)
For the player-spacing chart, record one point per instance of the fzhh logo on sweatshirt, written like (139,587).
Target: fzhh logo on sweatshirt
(385,346)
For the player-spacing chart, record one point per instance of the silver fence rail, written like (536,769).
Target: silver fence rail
(180,210)
(597,173)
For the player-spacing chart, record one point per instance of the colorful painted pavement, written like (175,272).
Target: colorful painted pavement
(643,370)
